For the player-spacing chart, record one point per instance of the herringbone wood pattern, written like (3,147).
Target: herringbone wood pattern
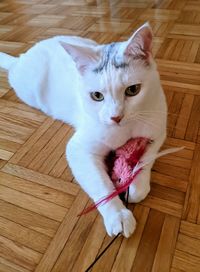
(39,202)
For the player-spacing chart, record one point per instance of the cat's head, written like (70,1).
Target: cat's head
(116,78)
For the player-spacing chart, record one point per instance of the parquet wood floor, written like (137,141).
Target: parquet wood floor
(39,202)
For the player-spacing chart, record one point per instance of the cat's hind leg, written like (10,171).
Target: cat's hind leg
(140,187)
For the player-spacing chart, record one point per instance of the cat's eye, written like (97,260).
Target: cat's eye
(133,90)
(97,96)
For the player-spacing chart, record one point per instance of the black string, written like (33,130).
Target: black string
(99,256)
(105,249)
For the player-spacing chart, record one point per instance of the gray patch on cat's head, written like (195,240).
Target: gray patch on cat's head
(109,57)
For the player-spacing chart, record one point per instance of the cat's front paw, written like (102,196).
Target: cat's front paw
(121,221)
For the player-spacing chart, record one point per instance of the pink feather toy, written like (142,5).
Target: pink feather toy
(124,164)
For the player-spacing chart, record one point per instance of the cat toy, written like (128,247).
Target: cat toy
(123,166)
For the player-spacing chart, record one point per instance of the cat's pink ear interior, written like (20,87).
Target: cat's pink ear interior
(84,57)
(140,44)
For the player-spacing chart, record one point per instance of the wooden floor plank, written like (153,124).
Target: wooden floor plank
(166,246)
(33,139)
(24,236)
(111,254)
(45,180)
(39,191)
(19,254)
(193,124)
(9,145)
(169,182)
(38,145)
(28,219)
(185,262)
(129,247)
(165,193)
(7,266)
(94,242)
(192,199)
(154,224)
(49,258)
(188,244)
(32,203)
(41,158)
(5,155)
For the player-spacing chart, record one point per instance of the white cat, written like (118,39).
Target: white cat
(109,93)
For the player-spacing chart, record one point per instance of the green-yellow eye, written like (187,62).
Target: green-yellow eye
(133,90)
(97,96)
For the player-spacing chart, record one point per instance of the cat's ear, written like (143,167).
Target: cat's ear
(84,57)
(139,46)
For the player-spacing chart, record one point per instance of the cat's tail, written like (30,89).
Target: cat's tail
(6,61)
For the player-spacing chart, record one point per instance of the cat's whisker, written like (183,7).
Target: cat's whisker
(149,112)
(131,117)
(168,113)
(139,118)
(146,122)
(142,115)
(146,116)
(160,120)
(149,118)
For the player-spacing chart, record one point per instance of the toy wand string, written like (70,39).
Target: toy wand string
(111,242)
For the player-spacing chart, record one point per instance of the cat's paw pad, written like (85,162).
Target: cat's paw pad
(122,221)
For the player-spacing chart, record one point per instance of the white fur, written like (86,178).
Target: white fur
(48,78)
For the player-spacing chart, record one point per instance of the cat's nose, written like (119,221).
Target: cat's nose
(117,119)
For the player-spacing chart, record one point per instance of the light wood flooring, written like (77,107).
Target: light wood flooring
(39,202)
